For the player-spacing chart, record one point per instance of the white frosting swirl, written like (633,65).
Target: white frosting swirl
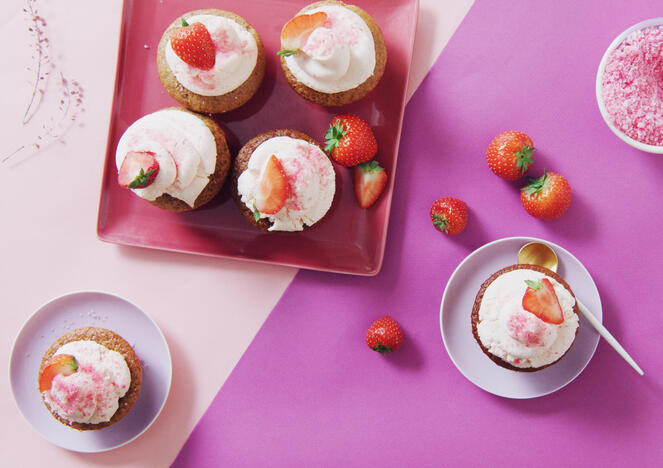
(236,57)
(91,394)
(184,148)
(338,56)
(310,175)
(517,336)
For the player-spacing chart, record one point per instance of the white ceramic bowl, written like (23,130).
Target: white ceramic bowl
(599,95)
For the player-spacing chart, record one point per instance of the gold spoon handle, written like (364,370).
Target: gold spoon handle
(608,337)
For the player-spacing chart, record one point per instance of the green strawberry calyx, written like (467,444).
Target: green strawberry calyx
(371,167)
(380,348)
(441,222)
(334,135)
(534,284)
(256,213)
(287,52)
(142,180)
(536,185)
(524,158)
(184,23)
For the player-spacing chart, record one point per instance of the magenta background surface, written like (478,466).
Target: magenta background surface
(308,391)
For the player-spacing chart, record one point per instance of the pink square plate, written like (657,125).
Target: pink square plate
(349,239)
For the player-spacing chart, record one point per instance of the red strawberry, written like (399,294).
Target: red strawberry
(64,364)
(547,197)
(138,170)
(449,215)
(350,140)
(296,31)
(194,45)
(509,155)
(370,180)
(541,300)
(274,188)
(384,336)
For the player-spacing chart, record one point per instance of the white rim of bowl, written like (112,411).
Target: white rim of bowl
(92,291)
(599,95)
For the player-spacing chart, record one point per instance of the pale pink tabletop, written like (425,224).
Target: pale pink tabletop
(50,208)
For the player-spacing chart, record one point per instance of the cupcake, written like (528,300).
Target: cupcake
(175,159)
(525,318)
(283,181)
(89,378)
(211,60)
(332,53)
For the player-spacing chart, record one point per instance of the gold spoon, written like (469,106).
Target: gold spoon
(537,253)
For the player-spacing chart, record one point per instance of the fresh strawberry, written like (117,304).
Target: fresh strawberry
(194,45)
(296,31)
(541,300)
(449,215)
(370,180)
(273,190)
(350,140)
(385,335)
(509,155)
(64,364)
(138,170)
(547,197)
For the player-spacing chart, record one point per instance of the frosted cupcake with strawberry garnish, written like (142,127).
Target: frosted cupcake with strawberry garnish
(175,159)
(525,318)
(90,378)
(283,181)
(332,53)
(211,60)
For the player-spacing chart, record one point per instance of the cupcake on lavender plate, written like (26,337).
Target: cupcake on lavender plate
(175,159)
(90,378)
(332,53)
(211,61)
(283,181)
(525,318)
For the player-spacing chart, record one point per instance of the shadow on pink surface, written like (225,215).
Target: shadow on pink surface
(308,391)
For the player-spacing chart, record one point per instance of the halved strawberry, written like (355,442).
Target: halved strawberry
(541,300)
(274,189)
(370,180)
(296,31)
(193,44)
(64,364)
(138,170)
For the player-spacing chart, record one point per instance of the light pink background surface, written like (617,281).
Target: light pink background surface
(209,309)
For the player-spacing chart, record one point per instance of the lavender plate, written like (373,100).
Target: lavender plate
(455,323)
(95,309)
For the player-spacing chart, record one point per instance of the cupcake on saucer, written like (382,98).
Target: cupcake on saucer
(90,378)
(283,181)
(525,318)
(332,53)
(175,159)
(211,61)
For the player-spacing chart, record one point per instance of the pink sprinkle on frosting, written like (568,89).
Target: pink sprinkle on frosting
(632,86)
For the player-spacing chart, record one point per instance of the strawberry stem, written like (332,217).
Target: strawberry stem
(184,23)
(142,180)
(534,284)
(380,348)
(524,158)
(441,223)
(334,135)
(372,166)
(536,185)
(256,213)
(287,52)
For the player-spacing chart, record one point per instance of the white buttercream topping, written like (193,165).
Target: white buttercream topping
(310,175)
(516,335)
(236,57)
(184,148)
(338,56)
(90,395)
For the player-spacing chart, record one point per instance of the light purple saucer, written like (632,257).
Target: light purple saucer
(95,309)
(456,327)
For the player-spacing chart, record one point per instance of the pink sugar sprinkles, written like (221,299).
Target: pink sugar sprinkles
(633,86)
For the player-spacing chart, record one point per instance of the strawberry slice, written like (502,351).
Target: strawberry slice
(541,300)
(64,364)
(138,170)
(369,180)
(296,31)
(193,44)
(274,189)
